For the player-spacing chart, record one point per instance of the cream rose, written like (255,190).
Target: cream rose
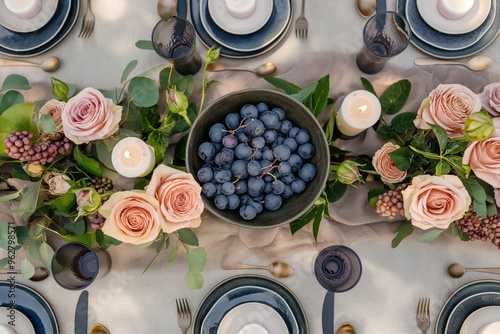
(490,98)
(179,197)
(131,217)
(384,165)
(448,106)
(435,201)
(54,109)
(90,116)
(57,182)
(483,157)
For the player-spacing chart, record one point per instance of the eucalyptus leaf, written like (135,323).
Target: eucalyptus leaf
(27,269)
(144,45)
(197,258)
(46,124)
(187,236)
(103,149)
(480,208)
(7,231)
(367,85)
(430,236)
(46,254)
(404,230)
(29,200)
(88,238)
(9,99)
(34,250)
(105,241)
(457,232)
(11,196)
(194,281)
(23,236)
(143,92)
(4,262)
(76,229)
(475,190)
(15,81)
(395,96)
(89,165)
(287,87)
(128,69)
(173,254)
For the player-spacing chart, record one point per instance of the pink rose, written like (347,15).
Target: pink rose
(57,182)
(435,201)
(448,106)
(497,197)
(90,116)
(54,109)
(131,217)
(384,165)
(483,157)
(490,98)
(179,196)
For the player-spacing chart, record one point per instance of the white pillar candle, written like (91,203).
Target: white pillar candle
(492,328)
(241,8)
(132,157)
(454,9)
(359,111)
(24,9)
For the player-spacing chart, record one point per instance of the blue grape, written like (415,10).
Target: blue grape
(261,107)
(241,187)
(307,172)
(222,175)
(306,151)
(293,132)
(272,202)
(248,212)
(270,120)
(270,136)
(254,127)
(281,153)
(278,187)
(221,202)
(302,137)
(244,199)
(205,174)
(268,186)
(243,151)
(241,136)
(255,185)
(228,188)
(226,156)
(285,127)
(288,192)
(233,121)
(298,186)
(288,179)
(280,112)
(295,161)
(233,202)
(230,141)
(253,168)
(257,154)
(291,144)
(284,168)
(218,146)
(239,169)
(217,160)
(256,204)
(265,165)
(216,132)
(209,190)
(280,140)
(268,155)
(258,142)
(206,151)
(249,111)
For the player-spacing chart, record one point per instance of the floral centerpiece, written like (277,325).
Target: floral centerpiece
(58,175)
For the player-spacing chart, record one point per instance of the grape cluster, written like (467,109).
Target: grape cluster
(254,160)
(391,203)
(101,185)
(478,228)
(18,146)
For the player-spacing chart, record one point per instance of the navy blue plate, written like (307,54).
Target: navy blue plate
(480,45)
(465,300)
(249,289)
(441,40)
(208,41)
(31,304)
(45,37)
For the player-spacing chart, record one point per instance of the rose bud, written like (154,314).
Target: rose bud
(348,172)
(479,126)
(88,200)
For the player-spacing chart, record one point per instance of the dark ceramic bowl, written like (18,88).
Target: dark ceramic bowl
(292,208)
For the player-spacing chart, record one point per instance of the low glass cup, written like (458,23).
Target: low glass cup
(174,39)
(75,265)
(385,35)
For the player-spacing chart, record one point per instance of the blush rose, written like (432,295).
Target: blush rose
(448,106)
(490,98)
(179,197)
(384,165)
(54,109)
(435,201)
(131,217)
(483,157)
(90,116)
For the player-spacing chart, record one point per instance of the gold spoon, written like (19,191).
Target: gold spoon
(478,63)
(346,329)
(49,65)
(262,70)
(277,269)
(167,8)
(98,329)
(366,8)
(456,270)
(40,274)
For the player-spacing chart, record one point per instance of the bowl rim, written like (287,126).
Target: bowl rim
(324,142)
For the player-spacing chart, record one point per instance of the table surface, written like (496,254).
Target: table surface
(384,301)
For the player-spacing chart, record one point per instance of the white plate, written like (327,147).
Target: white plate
(252,318)
(473,19)
(14,23)
(479,318)
(233,25)
(16,320)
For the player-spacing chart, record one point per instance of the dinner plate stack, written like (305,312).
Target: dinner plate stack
(446,38)
(26,37)
(241,37)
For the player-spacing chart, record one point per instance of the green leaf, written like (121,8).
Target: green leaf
(29,201)
(159,142)
(5,231)
(457,232)
(9,99)
(194,281)
(197,258)
(456,146)
(175,123)
(441,137)
(34,250)
(475,190)
(144,45)
(173,254)
(187,236)
(88,238)
(143,92)
(305,92)
(27,269)
(23,236)
(335,190)
(318,101)
(395,96)
(373,195)
(103,149)
(17,118)
(4,262)
(367,85)
(442,168)
(15,81)
(303,220)
(385,131)
(89,165)
(46,124)
(428,155)
(46,254)
(403,122)
(287,87)
(402,158)
(65,202)
(430,236)
(158,250)
(180,149)
(128,69)
(318,217)
(76,229)
(105,241)
(149,118)
(11,196)
(456,163)
(330,127)
(403,231)
(480,208)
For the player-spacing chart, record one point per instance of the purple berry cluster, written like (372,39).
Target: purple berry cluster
(389,204)
(255,160)
(18,146)
(101,185)
(479,228)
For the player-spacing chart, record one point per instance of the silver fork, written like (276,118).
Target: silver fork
(183,314)
(301,24)
(87,23)
(423,317)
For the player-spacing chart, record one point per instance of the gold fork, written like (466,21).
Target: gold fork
(183,314)
(301,24)
(87,23)
(423,317)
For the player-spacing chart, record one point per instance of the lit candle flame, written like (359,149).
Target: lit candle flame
(362,108)
(128,154)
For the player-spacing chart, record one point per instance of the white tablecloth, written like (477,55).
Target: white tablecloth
(384,301)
